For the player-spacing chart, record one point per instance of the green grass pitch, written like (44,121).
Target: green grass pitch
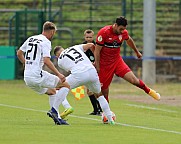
(23,117)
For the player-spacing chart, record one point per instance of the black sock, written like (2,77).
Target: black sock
(94,103)
(99,107)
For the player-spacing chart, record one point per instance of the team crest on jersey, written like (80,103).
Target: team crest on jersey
(99,38)
(120,37)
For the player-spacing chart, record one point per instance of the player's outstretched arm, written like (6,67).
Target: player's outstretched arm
(131,44)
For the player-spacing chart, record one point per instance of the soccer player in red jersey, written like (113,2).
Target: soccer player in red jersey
(108,60)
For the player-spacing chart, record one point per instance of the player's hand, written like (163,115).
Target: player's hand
(62,77)
(139,55)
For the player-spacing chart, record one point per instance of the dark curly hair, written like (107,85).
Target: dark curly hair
(121,21)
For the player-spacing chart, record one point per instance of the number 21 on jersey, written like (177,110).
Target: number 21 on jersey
(31,52)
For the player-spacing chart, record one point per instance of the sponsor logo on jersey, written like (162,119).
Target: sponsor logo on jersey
(115,44)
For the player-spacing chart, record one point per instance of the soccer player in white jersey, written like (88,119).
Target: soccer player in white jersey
(34,53)
(73,59)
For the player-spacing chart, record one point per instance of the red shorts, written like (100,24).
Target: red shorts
(120,68)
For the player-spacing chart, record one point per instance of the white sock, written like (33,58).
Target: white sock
(52,99)
(105,107)
(66,104)
(59,98)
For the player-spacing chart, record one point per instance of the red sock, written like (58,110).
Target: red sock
(143,86)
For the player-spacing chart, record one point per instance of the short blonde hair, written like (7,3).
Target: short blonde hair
(49,26)
(88,31)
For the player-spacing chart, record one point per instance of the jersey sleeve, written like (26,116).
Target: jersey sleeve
(46,48)
(125,35)
(23,46)
(80,47)
(100,37)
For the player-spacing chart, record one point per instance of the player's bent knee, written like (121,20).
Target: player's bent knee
(97,95)
(64,84)
(51,91)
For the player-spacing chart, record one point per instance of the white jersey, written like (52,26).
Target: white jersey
(74,59)
(35,48)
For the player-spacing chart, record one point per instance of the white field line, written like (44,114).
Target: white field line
(151,108)
(81,117)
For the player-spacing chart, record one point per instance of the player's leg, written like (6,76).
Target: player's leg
(105,92)
(94,102)
(105,76)
(130,77)
(46,85)
(95,86)
(105,107)
(54,112)
(73,82)
(66,104)
(55,98)
(99,107)
(52,95)
(122,70)
(68,109)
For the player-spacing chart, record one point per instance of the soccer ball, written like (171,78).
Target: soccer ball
(104,118)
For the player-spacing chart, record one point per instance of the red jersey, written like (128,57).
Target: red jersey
(111,43)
